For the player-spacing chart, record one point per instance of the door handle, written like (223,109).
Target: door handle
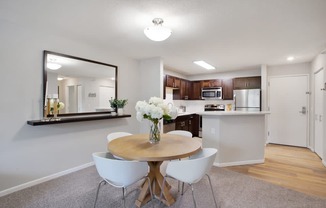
(304,110)
(320,118)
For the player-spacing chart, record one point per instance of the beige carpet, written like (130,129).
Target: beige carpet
(232,190)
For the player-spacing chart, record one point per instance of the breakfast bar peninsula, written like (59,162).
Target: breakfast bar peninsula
(238,135)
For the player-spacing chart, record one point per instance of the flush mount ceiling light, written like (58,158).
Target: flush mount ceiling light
(204,65)
(53,66)
(51,63)
(290,58)
(157,32)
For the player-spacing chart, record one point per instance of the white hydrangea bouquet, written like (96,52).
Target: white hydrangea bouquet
(154,111)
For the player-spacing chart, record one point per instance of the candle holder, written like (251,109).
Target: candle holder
(47,109)
(55,109)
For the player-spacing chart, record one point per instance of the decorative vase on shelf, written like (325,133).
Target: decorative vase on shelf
(118,105)
(120,111)
(154,133)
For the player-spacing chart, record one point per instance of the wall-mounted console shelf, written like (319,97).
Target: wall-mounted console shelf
(75,119)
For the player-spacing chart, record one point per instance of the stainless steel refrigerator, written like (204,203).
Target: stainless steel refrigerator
(247,100)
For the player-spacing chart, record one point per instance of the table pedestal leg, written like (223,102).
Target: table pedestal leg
(156,184)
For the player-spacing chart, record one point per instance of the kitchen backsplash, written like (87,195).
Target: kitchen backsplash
(192,105)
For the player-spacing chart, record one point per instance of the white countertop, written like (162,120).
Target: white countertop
(232,113)
(185,113)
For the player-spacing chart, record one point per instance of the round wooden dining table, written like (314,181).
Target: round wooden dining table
(137,147)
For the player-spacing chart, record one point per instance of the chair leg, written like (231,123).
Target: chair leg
(178,186)
(193,195)
(98,189)
(123,197)
(209,179)
(182,188)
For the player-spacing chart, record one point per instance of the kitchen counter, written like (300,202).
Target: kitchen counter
(232,113)
(185,113)
(239,136)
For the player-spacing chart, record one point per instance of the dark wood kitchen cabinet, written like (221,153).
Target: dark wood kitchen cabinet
(196,90)
(211,83)
(181,123)
(247,83)
(172,81)
(195,125)
(185,89)
(227,89)
(188,123)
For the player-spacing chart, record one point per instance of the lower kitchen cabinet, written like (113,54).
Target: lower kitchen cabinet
(181,123)
(188,123)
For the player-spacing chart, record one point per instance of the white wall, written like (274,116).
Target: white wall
(151,73)
(28,153)
(289,69)
(227,75)
(318,63)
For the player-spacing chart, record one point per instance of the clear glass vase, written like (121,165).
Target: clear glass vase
(154,133)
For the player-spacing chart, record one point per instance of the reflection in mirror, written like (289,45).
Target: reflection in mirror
(84,86)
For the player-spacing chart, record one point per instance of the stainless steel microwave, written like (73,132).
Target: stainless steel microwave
(211,93)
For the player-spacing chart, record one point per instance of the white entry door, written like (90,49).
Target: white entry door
(288,103)
(319,80)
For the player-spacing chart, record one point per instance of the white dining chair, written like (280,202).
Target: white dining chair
(119,173)
(193,170)
(112,136)
(116,135)
(175,132)
(181,132)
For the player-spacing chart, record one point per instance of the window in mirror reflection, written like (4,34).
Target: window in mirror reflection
(84,86)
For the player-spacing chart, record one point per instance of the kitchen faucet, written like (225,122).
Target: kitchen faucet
(170,105)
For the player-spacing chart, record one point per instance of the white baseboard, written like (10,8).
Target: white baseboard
(247,162)
(44,179)
(324,162)
(311,148)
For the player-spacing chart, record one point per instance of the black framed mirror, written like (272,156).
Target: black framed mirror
(84,86)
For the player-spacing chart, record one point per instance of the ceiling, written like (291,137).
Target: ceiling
(229,34)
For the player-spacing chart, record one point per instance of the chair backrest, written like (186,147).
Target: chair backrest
(119,173)
(116,135)
(192,170)
(181,132)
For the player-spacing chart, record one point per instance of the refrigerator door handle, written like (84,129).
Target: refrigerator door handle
(234,100)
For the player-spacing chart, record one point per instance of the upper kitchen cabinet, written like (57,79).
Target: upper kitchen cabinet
(196,90)
(171,81)
(211,83)
(185,89)
(227,89)
(247,83)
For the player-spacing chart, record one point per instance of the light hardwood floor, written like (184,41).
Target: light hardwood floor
(295,168)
